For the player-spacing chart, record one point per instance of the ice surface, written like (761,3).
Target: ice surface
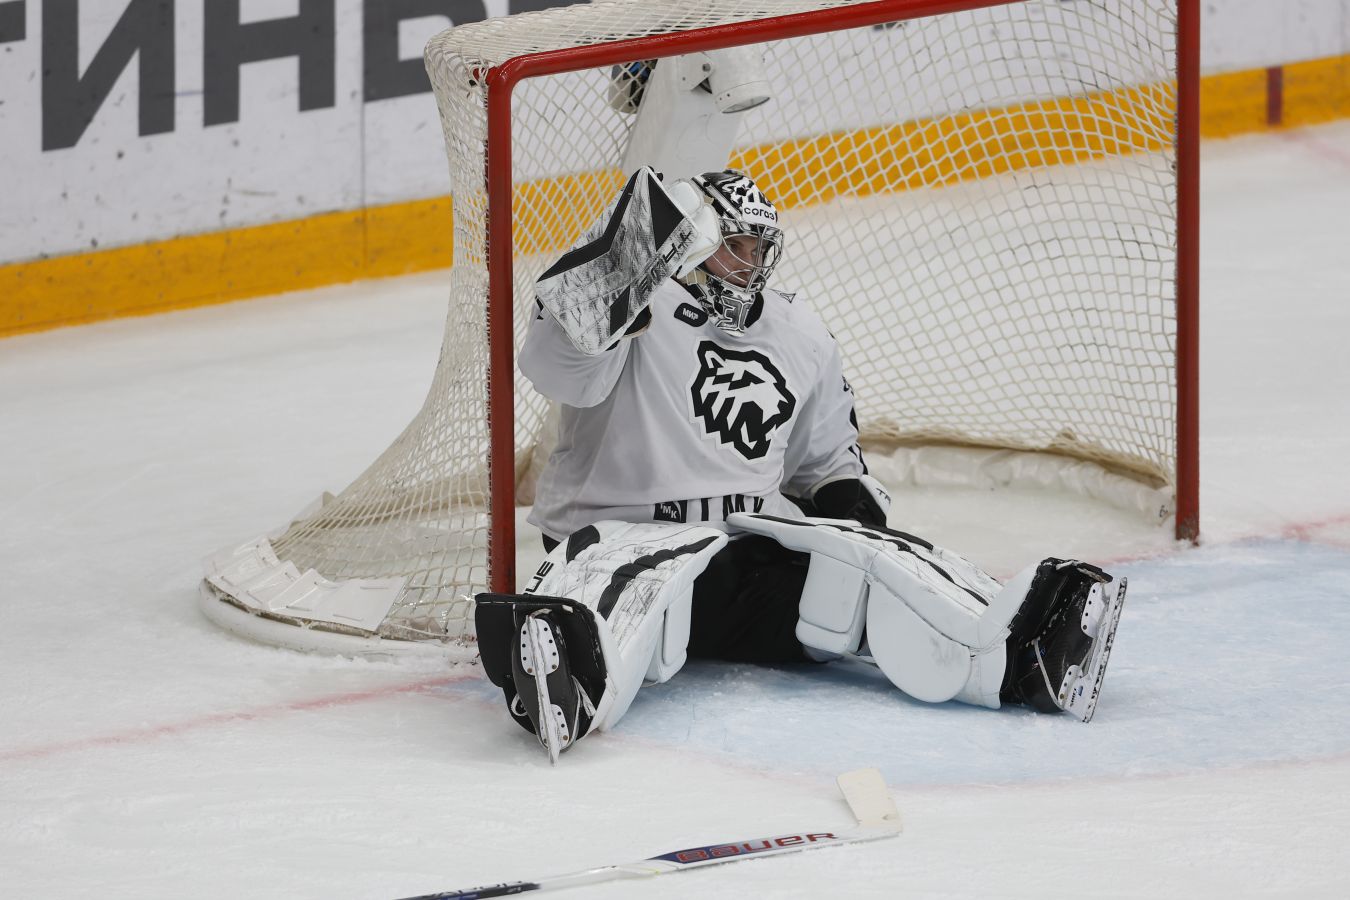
(144,753)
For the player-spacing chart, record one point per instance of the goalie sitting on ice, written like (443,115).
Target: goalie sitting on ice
(707,495)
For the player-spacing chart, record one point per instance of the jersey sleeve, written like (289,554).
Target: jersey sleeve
(564,374)
(824,441)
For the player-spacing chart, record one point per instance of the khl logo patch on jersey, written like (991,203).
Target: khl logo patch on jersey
(741,398)
(690,314)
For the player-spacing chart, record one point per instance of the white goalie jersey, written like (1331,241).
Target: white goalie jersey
(688,423)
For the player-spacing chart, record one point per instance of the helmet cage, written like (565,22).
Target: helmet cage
(742,209)
(764,256)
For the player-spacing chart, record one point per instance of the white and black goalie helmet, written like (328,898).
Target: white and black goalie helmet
(742,208)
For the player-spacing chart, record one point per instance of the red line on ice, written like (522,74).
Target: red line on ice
(1317,146)
(1307,531)
(155,732)
(1293,531)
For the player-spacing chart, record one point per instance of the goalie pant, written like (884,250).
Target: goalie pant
(612,606)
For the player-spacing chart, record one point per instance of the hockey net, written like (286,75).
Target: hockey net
(980,199)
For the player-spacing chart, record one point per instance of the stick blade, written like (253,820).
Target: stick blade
(870,799)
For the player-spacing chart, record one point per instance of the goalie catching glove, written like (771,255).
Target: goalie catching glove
(600,287)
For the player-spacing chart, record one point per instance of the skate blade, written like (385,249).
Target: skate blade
(541,659)
(554,735)
(1083,690)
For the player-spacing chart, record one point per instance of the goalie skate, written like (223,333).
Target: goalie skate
(554,700)
(1082,684)
(1063,665)
(544,653)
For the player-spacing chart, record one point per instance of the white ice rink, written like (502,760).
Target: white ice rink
(144,753)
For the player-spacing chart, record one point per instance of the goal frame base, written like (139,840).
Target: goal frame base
(310,637)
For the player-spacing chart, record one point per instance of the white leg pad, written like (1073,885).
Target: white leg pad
(987,668)
(672,651)
(833,606)
(1004,606)
(917,658)
(638,582)
(936,623)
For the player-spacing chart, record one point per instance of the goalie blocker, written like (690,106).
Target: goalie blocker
(612,606)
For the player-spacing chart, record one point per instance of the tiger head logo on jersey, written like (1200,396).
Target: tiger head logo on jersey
(741,398)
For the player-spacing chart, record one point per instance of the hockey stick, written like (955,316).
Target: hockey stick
(864,789)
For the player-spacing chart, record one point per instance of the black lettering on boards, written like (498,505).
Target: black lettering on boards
(230,44)
(70,100)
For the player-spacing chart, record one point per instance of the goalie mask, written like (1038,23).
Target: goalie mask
(729,280)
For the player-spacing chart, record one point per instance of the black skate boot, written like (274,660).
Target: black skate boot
(544,652)
(1061,638)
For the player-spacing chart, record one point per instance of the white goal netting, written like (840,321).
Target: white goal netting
(980,204)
